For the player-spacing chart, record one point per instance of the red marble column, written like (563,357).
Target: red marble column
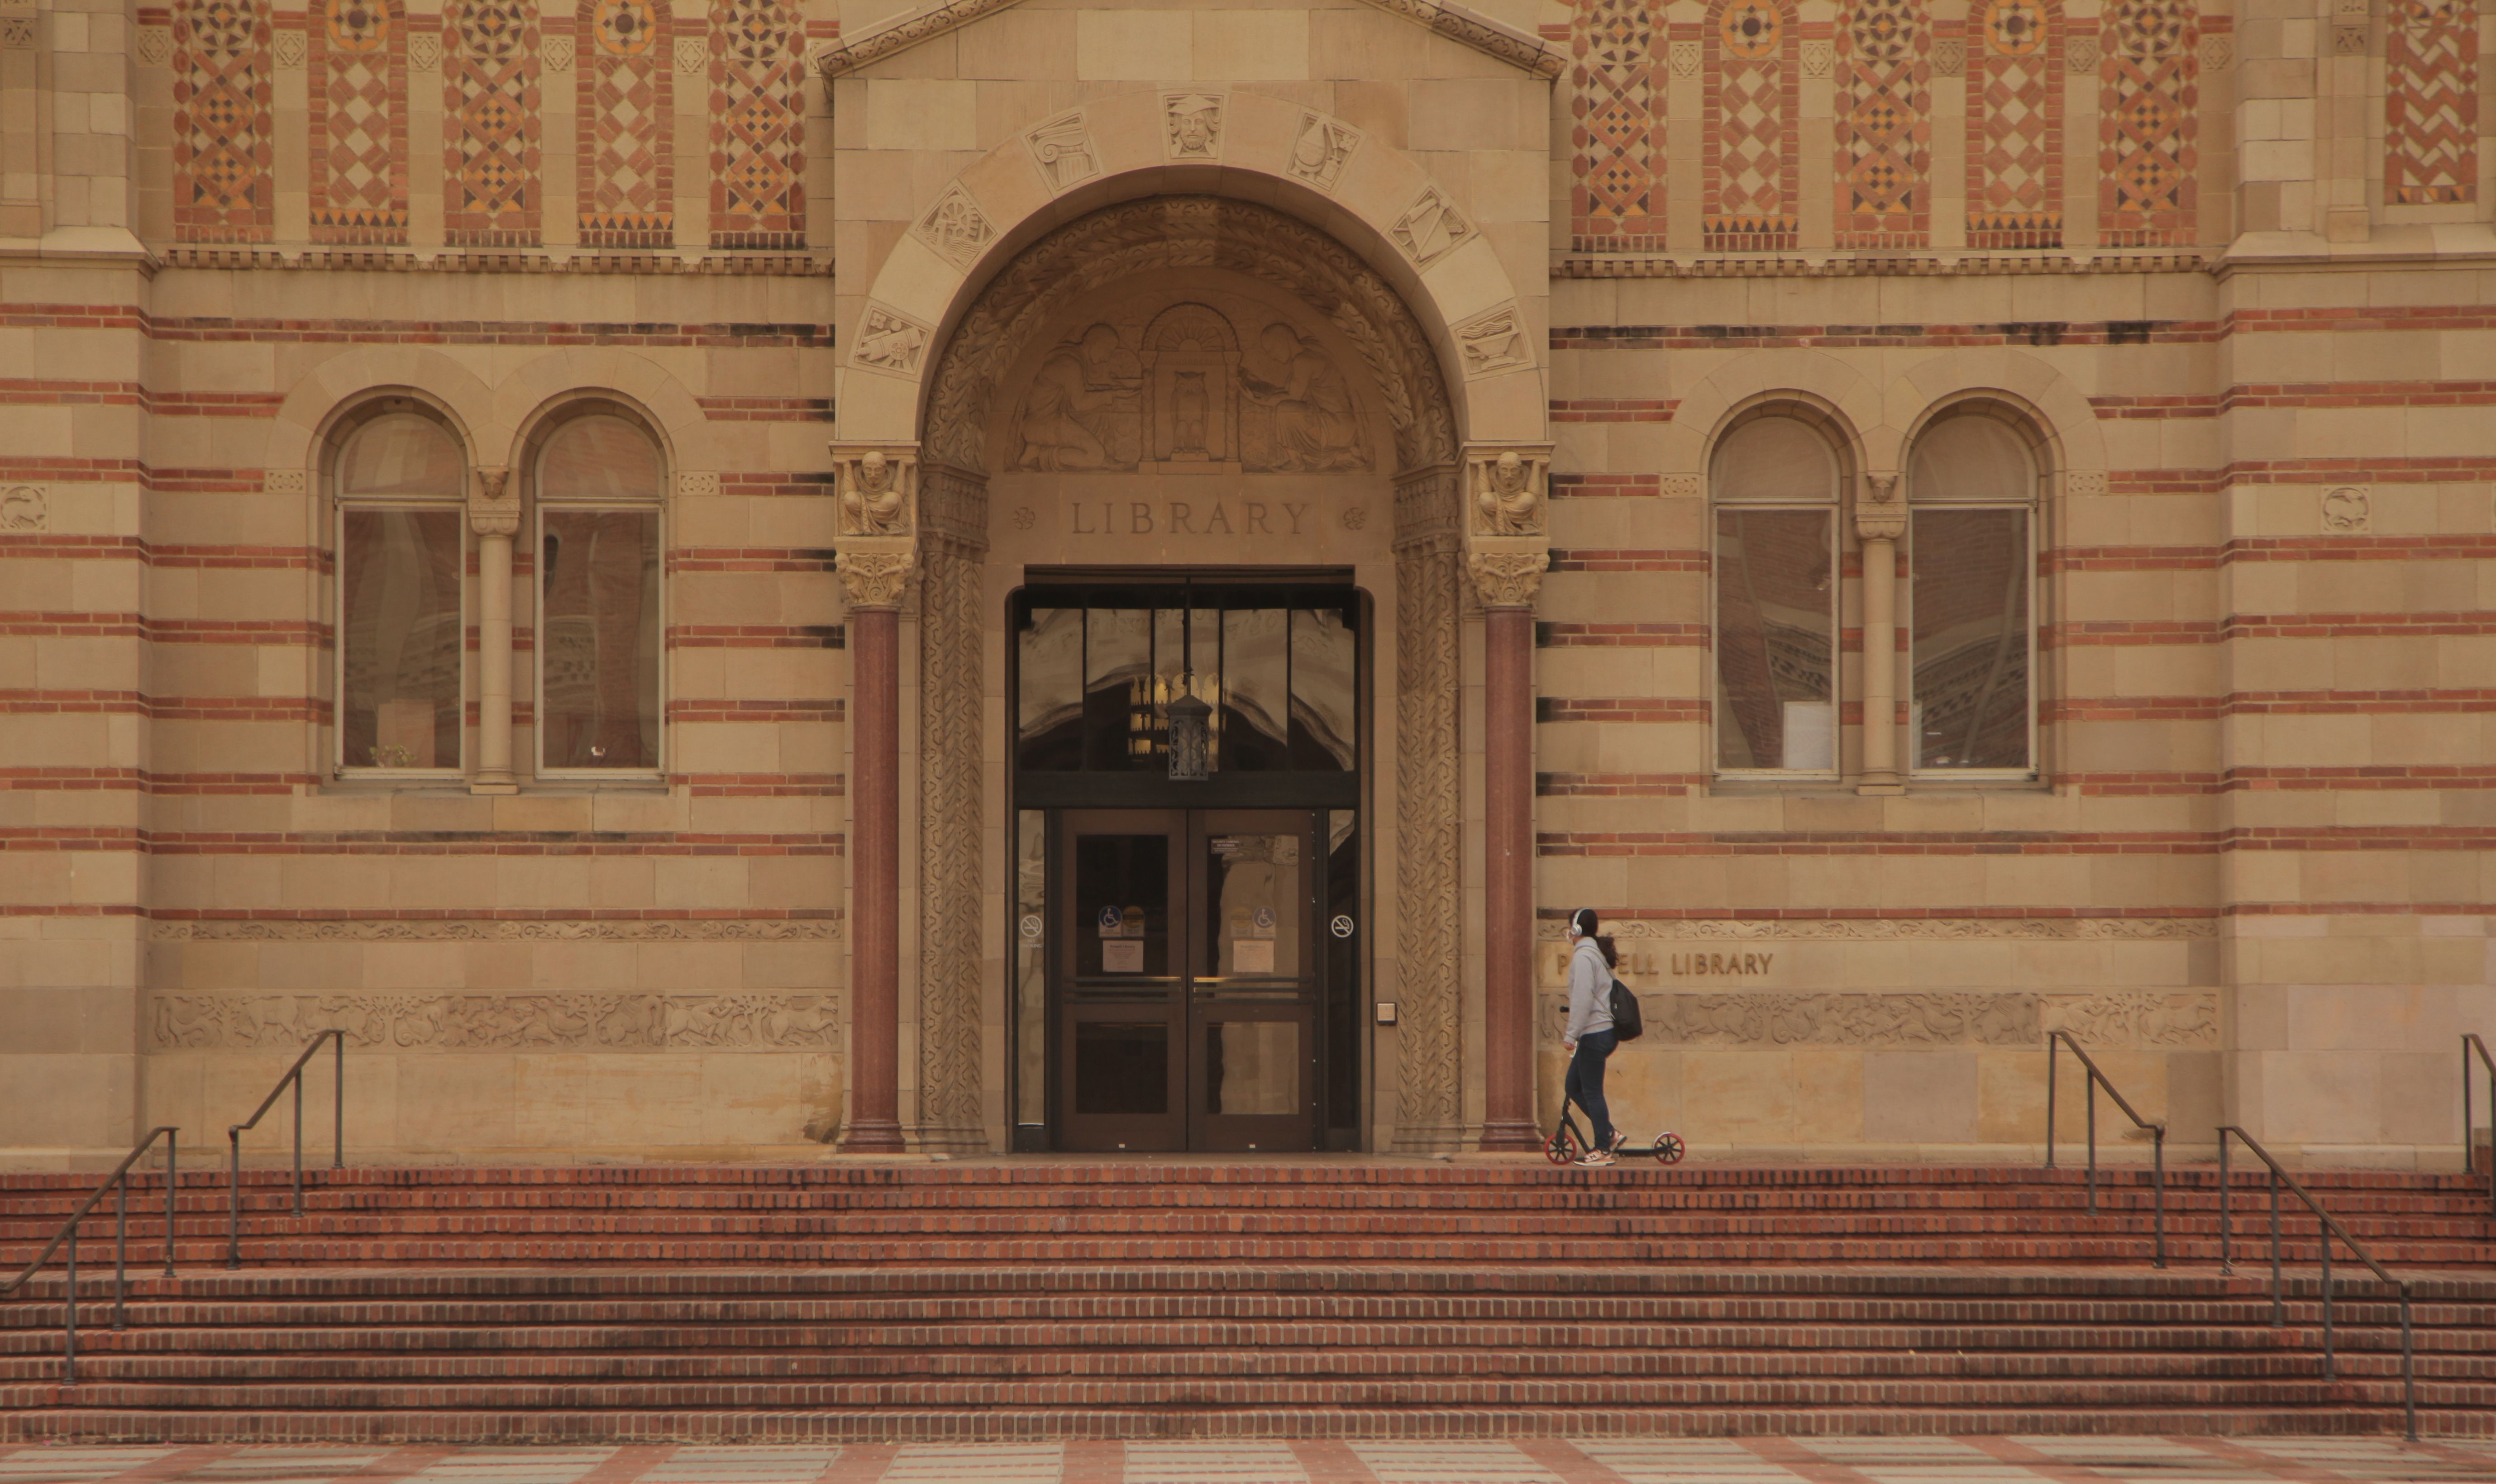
(1508,927)
(875,881)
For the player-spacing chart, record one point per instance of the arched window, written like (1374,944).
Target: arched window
(1774,481)
(600,478)
(1971,488)
(397,481)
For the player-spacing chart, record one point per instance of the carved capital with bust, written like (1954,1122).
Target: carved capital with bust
(1880,515)
(491,512)
(879,488)
(1507,578)
(1505,489)
(874,578)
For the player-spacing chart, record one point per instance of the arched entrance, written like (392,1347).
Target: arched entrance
(1165,393)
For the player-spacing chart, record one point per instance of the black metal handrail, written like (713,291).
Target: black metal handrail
(2470,1042)
(118,1182)
(2327,1228)
(2156,1132)
(338,1133)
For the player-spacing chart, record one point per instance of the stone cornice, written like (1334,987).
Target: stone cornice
(1458,24)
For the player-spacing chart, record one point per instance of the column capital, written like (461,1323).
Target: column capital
(1507,576)
(1506,488)
(878,488)
(1880,515)
(875,571)
(490,512)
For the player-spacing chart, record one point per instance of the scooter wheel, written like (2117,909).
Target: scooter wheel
(1560,1148)
(1668,1149)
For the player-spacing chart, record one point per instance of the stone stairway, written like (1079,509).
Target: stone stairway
(1040,1299)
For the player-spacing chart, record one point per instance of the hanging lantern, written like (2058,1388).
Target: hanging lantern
(1189,729)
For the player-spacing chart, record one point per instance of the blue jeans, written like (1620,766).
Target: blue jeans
(1585,1083)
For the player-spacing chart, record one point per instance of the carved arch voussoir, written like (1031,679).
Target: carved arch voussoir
(1121,241)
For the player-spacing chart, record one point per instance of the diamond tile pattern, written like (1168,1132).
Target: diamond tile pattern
(1617,195)
(1754,71)
(1885,124)
(359,68)
(2014,85)
(223,186)
(758,130)
(2431,103)
(489,80)
(627,168)
(2149,95)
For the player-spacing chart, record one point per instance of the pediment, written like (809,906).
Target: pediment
(1441,18)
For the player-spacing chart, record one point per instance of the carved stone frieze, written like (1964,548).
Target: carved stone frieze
(954,504)
(1507,579)
(889,341)
(1428,835)
(1063,149)
(499,930)
(2347,510)
(1431,227)
(1679,487)
(874,579)
(1121,242)
(284,482)
(491,511)
(949,1055)
(25,507)
(1881,929)
(1493,342)
(586,1021)
(1507,489)
(1319,148)
(956,227)
(879,488)
(2116,1019)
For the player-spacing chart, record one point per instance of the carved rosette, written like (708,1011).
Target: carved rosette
(490,512)
(875,578)
(1880,515)
(879,488)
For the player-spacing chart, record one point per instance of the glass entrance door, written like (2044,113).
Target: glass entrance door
(1190,977)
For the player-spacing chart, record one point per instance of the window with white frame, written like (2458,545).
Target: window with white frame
(1774,482)
(599,481)
(396,482)
(1972,481)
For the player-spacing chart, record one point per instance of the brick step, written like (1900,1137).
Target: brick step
(1704,1419)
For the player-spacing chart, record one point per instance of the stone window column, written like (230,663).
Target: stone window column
(1880,519)
(1507,548)
(877,525)
(495,517)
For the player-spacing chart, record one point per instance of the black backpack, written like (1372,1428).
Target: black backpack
(1628,1025)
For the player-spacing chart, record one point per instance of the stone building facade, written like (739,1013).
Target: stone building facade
(656,564)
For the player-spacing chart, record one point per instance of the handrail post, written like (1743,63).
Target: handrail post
(2278,1305)
(339,1102)
(2330,1365)
(121,1250)
(2227,1247)
(299,1142)
(2053,1074)
(69,1351)
(2093,1143)
(2408,1372)
(2158,1158)
(233,1201)
(172,1175)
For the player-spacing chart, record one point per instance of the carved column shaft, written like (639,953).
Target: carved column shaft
(1880,519)
(1508,926)
(948,860)
(875,881)
(496,520)
(1428,840)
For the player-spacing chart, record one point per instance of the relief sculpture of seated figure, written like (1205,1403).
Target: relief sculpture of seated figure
(1311,423)
(1082,410)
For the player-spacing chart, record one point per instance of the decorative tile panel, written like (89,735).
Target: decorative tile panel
(2015,97)
(1617,133)
(359,83)
(2431,103)
(757,125)
(489,103)
(2148,96)
(626,112)
(1884,124)
(223,190)
(1752,108)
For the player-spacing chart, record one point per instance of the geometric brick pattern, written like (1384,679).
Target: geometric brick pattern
(1617,196)
(1752,111)
(223,151)
(1884,124)
(2431,103)
(627,169)
(757,125)
(2014,158)
(2149,93)
(490,101)
(358,82)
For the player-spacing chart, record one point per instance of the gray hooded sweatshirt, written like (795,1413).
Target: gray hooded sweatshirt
(1590,991)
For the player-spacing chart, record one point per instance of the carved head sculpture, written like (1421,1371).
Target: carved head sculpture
(874,473)
(1099,344)
(1508,475)
(1192,122)
(1280,343)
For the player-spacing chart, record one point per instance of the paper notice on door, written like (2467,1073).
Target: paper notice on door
(1125,955)
(1252,955)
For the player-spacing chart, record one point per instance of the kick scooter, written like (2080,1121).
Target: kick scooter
(1568,1141)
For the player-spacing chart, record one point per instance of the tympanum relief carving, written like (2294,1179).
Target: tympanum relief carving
(1178,389)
